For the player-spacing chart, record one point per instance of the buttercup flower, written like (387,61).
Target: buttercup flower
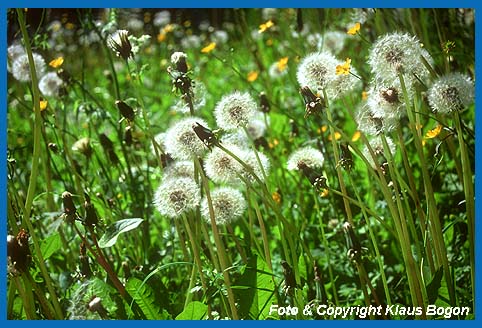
(177,196)
(228,205)
(451,92)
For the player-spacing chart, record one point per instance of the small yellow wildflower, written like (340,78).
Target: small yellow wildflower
(356,136)
(252,76)
(168,28)
(57,62)
(364,95)
(344,68)
(70,26)
(324,128)
(161,37)
(276,197)
(282,64)
(354,29)
(434,132)
(336,134)
(324,193)
(269,42)
(265,26)
(210,47)
(187,23)
(43,105)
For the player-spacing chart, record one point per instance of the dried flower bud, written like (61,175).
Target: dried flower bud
(313,103)
(294,129)
(84,262)
(346,158)
(264,103)
(207,136)
(128,135)
(390,95)
(91,218)
(126,111)
(290,281)
(95,305)
(355,249)
(120,44)
(53,147)
(108,147)
(316,179)
(69,207)
(179,59)
(18,253)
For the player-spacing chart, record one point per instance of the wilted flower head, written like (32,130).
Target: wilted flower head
(451,92)
(120,44)
(317,70)
(221,167)
(235,110)
(177,196)
(308,156)
(396,53)
(181,141)
(50,84)
(228,205)
(21,68)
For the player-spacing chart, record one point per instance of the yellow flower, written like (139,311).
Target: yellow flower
(353,30)
(337,136)
(324,193)
(364,95)
(276,197)
(343,68)
(324,128)
(57,62)
(69,26)
(434,132)
(161,37)
(252,76)
(265,26)
(210,47)
(356,136)
(43,105)
(282,64)
(168,28)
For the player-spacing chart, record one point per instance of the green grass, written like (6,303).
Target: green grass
(395,234)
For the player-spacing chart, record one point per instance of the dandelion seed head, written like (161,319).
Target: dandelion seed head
(451,92)
(343,85)
(317,70)
(21,68)
(256,127)
(260,168)
(181,141)
(308,156)
(228,205)
(221,167)
(235,110)
(162,18)
(50,84)
(237,138)
(177,196)
(219,37)
(396,53)
(334,41)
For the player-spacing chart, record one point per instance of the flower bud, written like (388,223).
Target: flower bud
(126,111)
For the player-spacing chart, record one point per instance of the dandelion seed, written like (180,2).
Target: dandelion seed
(235,110)
(354,29)
(181,141)
(228,205)
(265,26)
(21,67)
(308,156)
(57,62)
(451,92)
(210,47)
(177,196)
(317,70)
(50,84)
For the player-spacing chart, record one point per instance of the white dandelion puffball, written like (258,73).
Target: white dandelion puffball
(235,110)
(50,84)
(228,205)
(308,156)
(21,67)
(177,196)
(317,70)
(221,167)
(451,92)
(181,141)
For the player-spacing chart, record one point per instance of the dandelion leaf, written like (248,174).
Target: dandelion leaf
(114,230)
(143,295)
(193,311)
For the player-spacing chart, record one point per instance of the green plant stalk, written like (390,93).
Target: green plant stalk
(469,197)
(35,166)
(436,229)
(27,300)
(264,236)
(219,244)
(182,241)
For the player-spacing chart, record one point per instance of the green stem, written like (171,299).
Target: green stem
(35,166)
